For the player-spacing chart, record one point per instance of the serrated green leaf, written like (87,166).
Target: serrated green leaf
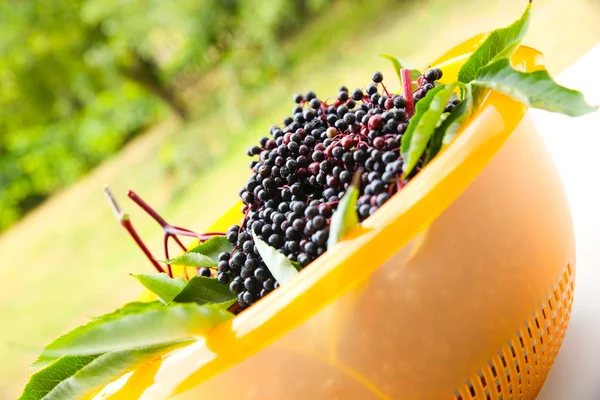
(446,131)
(204,255)
(536,89)
(153,327)
(72,377)
(398,65)
(203,290)
(279,265)
(162,285)
(223,305)
(213,247)
(345,217)
(226,304)
(422,125)
(43,381)
(500,44)
(192,260)
(134,307)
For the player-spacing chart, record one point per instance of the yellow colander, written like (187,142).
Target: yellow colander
(459,287)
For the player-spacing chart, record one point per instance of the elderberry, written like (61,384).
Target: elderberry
(302,169)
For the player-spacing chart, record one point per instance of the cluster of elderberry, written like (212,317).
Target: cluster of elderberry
(303,170)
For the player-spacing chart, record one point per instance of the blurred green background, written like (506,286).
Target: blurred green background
(163,97)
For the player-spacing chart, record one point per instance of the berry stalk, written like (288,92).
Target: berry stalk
(407,91)
(126,223)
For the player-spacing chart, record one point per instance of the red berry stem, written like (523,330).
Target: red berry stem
(385,89)
(146,207)
(169,231)
(166,247)
(407,91)
(126,223)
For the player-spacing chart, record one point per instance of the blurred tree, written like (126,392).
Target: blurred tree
(80,77)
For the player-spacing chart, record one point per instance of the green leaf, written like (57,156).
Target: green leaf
(162,285)
(422,125)
(398,65)
(536,89)
(43,381)
(296,265)
(132,308)
(213,247)
(500,44)
(151,327)
(345,217)
(203,290)
(73,377)
(226,304)
(135,307)
(192,260)
(446,131)
(279,265)
(205,254)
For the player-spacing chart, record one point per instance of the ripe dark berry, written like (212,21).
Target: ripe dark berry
(223,278)
(274,240)
(303,259)
(363,211)
(357,94)
(251,284)
(249,298)
(382,198)
(377,77)
(399,101)
(371,89)
(232,237)
(389,157)
(269,284)
(430,75)
(250,264)
(341,125)
(223,266)
(204,272)
(449,107)
(337,152)
(419,94)
(310,95)
(318,222)
(311,212)
(349,118)
(261,274)
(433,74)
(235,286)
(298,98)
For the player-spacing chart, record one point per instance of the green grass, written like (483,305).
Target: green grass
(70,260)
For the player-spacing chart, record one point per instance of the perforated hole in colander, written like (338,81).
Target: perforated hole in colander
(521,366)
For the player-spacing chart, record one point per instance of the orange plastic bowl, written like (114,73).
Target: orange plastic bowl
(459,287)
